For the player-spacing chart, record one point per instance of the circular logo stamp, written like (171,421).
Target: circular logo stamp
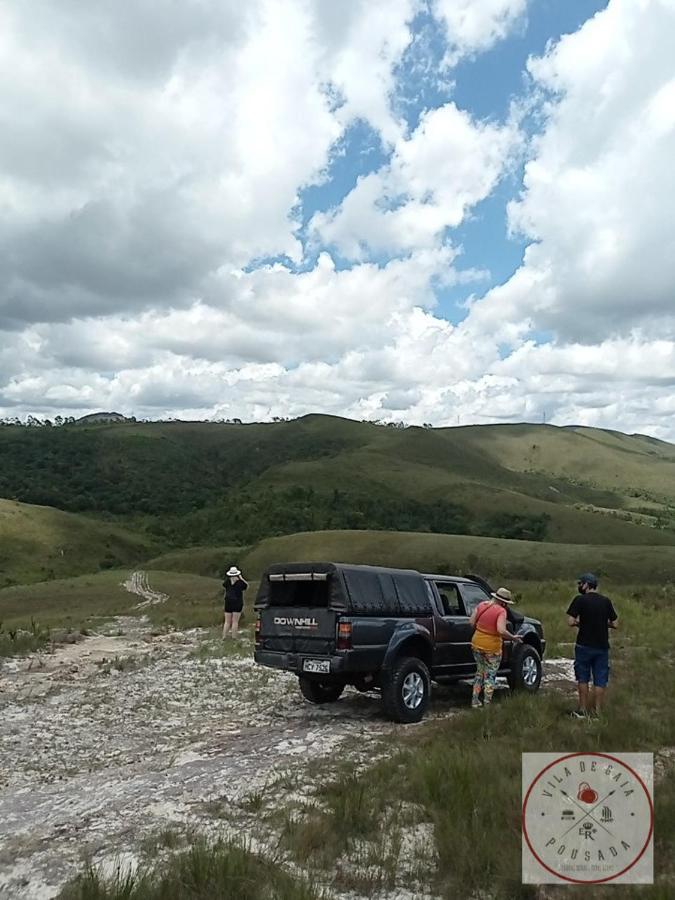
(588,818)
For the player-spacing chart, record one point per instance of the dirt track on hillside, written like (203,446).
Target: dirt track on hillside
(108,741)
(137,583)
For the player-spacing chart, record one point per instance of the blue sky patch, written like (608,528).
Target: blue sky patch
(485,85)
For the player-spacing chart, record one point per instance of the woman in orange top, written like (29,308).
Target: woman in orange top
(489,621)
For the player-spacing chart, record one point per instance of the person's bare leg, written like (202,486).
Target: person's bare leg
(583,696)
(599,696)
(227,624)
(235,624)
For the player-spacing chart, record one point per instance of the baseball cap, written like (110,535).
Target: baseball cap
(588,579)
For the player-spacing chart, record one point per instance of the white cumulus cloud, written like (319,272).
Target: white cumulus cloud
(474,25)
(447,165)
(598,198)
(153,159)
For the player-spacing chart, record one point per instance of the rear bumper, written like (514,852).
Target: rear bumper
(293,662)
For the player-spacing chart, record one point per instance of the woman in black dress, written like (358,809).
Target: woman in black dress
(234,586)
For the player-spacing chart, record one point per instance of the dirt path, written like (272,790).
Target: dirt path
(108,741)
(137,583)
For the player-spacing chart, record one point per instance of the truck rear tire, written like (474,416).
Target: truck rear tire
(406,690)
(525,674)
(320,691)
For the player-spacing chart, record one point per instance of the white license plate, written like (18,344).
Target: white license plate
(316,665)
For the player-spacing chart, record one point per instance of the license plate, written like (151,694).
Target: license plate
(316,665)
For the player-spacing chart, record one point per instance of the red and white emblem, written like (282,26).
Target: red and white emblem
(588,818)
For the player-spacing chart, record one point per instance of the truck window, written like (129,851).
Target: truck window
(449,598)
(472,594)
(299,593)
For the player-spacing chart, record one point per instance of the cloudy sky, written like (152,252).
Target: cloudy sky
(424,210)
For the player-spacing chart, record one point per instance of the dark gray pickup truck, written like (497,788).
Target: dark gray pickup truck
(391,630)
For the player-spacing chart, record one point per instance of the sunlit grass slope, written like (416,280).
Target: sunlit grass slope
(489,557)
(37,542)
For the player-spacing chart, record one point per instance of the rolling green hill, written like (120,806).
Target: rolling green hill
(492,558)
(440,553)
(210,562)
(205,483)
(37,543)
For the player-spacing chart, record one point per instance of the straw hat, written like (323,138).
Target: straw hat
(504,596)
(233,571)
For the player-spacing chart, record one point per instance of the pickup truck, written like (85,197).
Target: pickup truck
(390,630)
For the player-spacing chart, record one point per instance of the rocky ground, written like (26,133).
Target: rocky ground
(109,741)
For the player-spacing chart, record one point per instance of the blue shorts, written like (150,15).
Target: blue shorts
(591,660)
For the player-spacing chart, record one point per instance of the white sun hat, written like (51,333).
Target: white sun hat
(504,595)
(232,571)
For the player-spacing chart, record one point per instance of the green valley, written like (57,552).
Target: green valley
(183,483)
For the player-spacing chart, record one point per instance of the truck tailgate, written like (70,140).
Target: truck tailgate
(307,630)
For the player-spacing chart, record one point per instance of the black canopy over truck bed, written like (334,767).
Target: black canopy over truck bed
(348,589)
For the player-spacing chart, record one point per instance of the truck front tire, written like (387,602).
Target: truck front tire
(406,690)
(320,691)
(525,674)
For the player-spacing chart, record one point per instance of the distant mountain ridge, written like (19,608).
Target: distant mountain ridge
(102,418)
(204,483)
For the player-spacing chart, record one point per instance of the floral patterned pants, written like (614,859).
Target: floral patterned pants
(487,666)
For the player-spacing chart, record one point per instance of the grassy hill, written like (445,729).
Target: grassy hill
(493,558)
(37,543)
(205,483)
(462,554)
(209,562)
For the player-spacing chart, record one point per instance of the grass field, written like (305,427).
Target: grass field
(38,542)
(83,602)
(195,598)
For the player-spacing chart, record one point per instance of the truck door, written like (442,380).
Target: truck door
(453,655)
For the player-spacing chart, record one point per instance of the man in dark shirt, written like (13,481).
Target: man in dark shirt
(593,614)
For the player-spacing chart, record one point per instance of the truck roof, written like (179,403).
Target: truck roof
(457,579)
(329,568)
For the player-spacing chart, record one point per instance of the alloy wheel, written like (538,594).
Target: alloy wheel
(530,671)
(413,690)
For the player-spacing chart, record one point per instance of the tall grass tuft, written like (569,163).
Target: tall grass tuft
(204,872)
(20,641)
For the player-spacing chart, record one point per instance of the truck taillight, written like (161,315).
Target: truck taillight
(257,629)
(344,636)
